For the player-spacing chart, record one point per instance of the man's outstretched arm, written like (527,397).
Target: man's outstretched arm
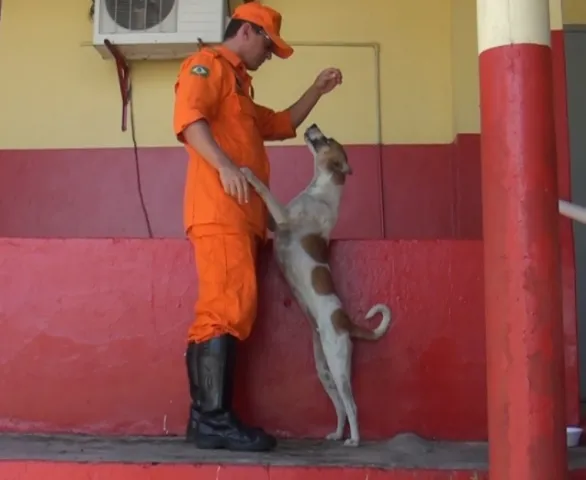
(283,125)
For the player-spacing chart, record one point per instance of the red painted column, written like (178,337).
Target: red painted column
(525,365)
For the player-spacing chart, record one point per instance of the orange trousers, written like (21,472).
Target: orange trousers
(228,290)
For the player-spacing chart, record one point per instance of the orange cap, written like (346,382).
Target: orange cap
(269,20)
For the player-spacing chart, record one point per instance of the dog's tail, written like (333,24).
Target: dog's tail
(367,334)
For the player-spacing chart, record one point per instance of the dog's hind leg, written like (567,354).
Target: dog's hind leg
(329,385)
(339,362)
(277,211)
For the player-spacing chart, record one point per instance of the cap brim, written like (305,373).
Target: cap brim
(280,48)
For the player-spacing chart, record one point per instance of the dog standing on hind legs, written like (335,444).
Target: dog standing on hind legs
(301,235)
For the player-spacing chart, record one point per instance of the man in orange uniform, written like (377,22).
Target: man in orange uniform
(223,129)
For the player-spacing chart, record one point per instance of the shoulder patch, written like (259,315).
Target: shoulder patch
(200,70)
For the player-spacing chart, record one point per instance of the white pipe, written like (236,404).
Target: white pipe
(572,211)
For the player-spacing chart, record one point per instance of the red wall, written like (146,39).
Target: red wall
(97,327)
(94,335)
(83,316)
(93,193)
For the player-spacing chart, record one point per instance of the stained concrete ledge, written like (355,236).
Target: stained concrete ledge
(405,451)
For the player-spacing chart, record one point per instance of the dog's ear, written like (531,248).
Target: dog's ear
(339,170)
(335,165)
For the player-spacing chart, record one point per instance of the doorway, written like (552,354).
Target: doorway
(575,40)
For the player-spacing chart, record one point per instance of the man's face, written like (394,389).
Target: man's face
(257,46)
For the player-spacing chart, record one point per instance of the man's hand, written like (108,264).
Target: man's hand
(199,136)
(234,182)
(327,80)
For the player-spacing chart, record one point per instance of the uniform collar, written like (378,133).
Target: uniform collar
(234,60)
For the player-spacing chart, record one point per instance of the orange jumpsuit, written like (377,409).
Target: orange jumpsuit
(213,84)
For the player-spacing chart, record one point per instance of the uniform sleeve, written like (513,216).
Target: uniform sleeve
(198,92)
(275,125)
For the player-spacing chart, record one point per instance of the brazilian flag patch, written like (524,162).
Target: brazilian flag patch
(200,70)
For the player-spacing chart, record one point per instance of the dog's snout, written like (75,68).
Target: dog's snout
(313,132)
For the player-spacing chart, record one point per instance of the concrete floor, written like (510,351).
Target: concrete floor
(404,451)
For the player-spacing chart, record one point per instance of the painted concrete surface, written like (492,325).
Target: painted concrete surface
(97,328)
(82,109)
(446,83)
(430,191)
(404,457)
(523,295)
(118,471)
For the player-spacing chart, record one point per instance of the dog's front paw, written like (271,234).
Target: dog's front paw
(334,436)
(351,442)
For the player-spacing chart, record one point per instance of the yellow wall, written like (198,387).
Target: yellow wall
(574,11)
(466,95)
(464,50)
(57,92)
(61,94)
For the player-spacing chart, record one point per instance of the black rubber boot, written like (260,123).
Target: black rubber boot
(191,364)
(218,427)
(194,410)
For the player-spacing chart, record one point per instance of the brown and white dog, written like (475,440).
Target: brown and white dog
(301,236)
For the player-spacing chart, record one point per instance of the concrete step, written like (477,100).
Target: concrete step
(405,457)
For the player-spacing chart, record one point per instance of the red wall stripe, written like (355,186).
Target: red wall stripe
(430,191)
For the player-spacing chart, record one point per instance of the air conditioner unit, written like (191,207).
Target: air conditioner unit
(157,29)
